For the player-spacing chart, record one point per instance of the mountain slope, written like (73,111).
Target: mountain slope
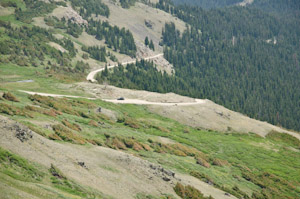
(79,141)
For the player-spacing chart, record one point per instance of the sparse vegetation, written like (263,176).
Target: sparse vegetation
(190,148)
(17,167)
(67,135)
(189,192)
(10,97)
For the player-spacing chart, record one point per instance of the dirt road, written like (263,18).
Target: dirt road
(125,101)
(144,102)
(91,75)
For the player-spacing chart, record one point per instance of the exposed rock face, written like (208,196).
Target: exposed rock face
(149,24)
(161,63)
(165,174)
(69,14)
(82,164)
(22,133)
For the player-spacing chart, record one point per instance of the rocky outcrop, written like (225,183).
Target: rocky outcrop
(22,133)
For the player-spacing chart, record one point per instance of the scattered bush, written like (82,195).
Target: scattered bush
(131,123)
(146,147)
(162,129)
(50,112)
(93,123)
(272,186)
(36,130)
(67,135)
(202,177)
(219,162)
(96,142)
(137,147)
(74,127)
(10,97)
(12,110)
(117,144)
(202,162)
(54,136)
(189,192)
(284,137)
(56,172)
(60,105)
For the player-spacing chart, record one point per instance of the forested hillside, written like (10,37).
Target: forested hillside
(208,3)
(243,58)
(25,44)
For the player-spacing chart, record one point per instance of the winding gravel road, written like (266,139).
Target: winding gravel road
(91,78)
(91,75)
(125,101)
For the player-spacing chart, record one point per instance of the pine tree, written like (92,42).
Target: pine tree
(151,45)
(146,41)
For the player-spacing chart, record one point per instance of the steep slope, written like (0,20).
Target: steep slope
(79,141)
(71,131)
(207,115)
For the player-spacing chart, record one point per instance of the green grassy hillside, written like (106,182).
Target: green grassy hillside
(244,165)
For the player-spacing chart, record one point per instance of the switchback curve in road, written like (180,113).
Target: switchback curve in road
(91,75)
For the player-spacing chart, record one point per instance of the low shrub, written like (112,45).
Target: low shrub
(56,172)
(54,136)
(146,147)
(36,130)
(93,123)
(202,177)
(137,147)
(74,127)
(219,162)
(10,97)
(284,137)
(12,110)
(118,144)
(202,162)
(189,192)
(131,123)
(96,142)
(272,186)
(67,135)
(60,105)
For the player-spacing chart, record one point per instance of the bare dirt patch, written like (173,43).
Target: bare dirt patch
(39,21)
(69,14)
(246,2)
(57,47)
(6,11)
